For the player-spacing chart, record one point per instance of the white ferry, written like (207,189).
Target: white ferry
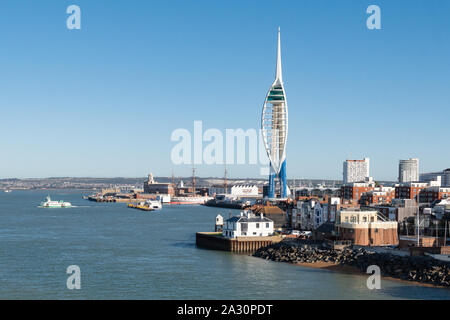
(154,204)
(189,200)
(55,204)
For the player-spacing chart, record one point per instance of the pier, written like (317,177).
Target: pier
(216,241)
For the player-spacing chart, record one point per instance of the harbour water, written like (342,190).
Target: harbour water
(132,254)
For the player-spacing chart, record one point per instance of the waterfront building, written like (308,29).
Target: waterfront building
(356,170)
(153,187)
(310,213)
(219,224)
(275,213)
(366,228)
(244,190)
(248,225)
(237,191)
(408,170)
(274,128)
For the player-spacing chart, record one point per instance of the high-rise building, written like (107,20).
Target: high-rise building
(443,177)
(274,127)
(356,170)
(408,170)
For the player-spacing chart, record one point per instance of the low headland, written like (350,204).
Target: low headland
(423,270)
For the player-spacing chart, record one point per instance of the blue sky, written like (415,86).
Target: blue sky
(103,101)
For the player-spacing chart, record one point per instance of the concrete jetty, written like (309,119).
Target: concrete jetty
(216,241)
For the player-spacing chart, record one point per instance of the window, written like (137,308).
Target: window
(254,233)
(267,225)
(257,226)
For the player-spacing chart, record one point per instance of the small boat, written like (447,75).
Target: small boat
(8,191)
(190,200)
(154,204)
(141,206)
(48,203)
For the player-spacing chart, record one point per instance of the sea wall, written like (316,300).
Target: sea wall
(420,269)
(215,241)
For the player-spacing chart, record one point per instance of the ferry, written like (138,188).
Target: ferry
(149,205)
(55,204)
(189,200)
(154,204)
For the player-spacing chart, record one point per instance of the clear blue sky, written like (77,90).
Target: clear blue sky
(103,101)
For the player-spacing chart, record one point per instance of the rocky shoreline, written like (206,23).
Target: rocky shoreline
(425,270)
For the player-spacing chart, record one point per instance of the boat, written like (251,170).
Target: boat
(48,203)
(8,191)
(154,204)
(189,200)
(141,206)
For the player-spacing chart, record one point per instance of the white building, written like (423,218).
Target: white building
(238,190)
(408,170)
(244,190)
(248,225)
(356,170)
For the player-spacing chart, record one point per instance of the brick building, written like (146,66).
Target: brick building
(431,194)
(409,190)
(353,191)
(366,229)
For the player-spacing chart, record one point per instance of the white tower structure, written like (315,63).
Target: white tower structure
(274,127)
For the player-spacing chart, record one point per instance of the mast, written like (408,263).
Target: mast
(173,180)
(193,181)
(279,71)
(226,182)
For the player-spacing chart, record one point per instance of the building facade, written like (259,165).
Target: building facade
(248,225)
(356,170)
(443,177)
(364,228)
(354,190)
(408,170)
(153,187)
(379,195)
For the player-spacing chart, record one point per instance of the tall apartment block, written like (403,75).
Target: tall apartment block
(408,170)
(356,170)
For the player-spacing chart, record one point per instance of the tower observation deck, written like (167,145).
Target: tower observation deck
(274,127)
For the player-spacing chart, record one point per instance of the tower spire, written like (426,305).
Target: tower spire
(279,74)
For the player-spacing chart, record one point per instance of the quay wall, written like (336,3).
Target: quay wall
(215,241)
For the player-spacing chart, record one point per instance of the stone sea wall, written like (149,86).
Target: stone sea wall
(420,269)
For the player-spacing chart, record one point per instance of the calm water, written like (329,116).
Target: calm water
(129,254)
